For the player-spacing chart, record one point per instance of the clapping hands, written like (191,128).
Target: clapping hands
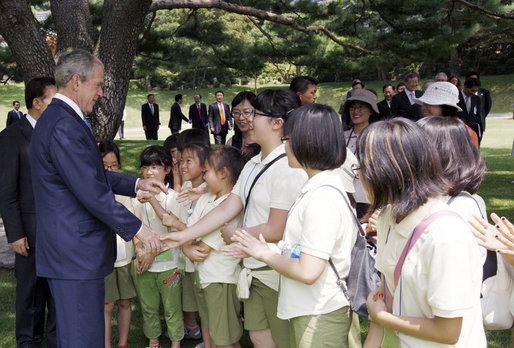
(499,237)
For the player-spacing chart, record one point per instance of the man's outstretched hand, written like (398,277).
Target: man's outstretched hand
(151,185)
(150,240)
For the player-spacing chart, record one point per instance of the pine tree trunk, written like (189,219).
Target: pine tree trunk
(148,82)
(298,70)
(454,61)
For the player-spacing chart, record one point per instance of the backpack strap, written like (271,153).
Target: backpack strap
(416,234)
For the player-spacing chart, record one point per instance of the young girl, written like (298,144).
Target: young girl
(157,277)
(436,289)
(319,228)
(266,206)
(119,287)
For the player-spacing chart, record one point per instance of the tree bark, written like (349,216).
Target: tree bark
(148,82)
(77,30)
(30,50)
(122,22)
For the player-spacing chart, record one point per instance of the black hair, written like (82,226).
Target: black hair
(396,169)
(241,96)
(372,91)
(149,95)
(461,162)
(219,91)
(301,83)
(388,85)
(472,82)
(459,84)
(36,88)
(201,152)
(410,75)
(277,102)
(473,73)
(357,82)
(400,84)
(108,146)
(227,157)
(448,110)
(14,102)
(158,155)
(198,94)
(316,137)
(178,97)
(193,136)
(171,141)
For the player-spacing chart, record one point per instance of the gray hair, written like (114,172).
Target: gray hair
(442,74)
(75,62)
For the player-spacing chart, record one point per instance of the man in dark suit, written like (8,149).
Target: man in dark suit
(76,210)
(14,115)
(176,115)
(19,216)
(220,119)
(198,114)
(384,107)
(469,102)
(486,102)
(150,117)
(403,104)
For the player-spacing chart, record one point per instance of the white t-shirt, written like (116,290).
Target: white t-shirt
(441,276)
(321,223)
(168,259)
(277,188)
(216,268)
(124,250)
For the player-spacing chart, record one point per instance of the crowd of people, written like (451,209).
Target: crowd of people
(257,234)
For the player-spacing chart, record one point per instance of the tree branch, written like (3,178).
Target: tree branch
(488,13)
(147,31)
(261,14)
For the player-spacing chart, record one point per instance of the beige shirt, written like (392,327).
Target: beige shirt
(322,224)
(441,276)
(125,250)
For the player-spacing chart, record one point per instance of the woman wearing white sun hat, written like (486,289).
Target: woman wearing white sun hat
(440,99)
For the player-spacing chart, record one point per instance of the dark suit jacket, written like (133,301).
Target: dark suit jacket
(74,195)
(150,121)
(176,117)
(200,121)
(215,120)
(384,110)
(13,117)
(16,194)
(401,106)
(472,118)
(485,105)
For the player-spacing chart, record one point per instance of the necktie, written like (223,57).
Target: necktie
(389,104)
(411,97)
(222,113)
(468,104)
(19,114)
(151,108)
(88,125)
(199,111)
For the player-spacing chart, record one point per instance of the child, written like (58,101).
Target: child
(436,292)
(319,228)
(118,285)
(157,277)
(171,143)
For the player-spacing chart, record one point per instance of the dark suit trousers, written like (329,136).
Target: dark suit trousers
(80,312)
(221,137)
(151,134)
(32,298)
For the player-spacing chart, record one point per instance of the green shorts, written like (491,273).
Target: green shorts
(189,301)
(324,330)
(219,310)
(119,285)
(260,313)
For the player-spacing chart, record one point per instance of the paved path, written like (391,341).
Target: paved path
(6,252)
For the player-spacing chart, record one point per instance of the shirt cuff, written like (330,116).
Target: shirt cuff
(140,228)
(135,187)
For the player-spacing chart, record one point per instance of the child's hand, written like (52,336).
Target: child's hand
(173,239)
(169,219)
(234,250)
(195,252)
(144,261)
(191,195)
(143,196)
(371,226)
(257,248)
(227,232)
(375,304)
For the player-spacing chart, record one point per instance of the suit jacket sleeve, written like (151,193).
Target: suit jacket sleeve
(192,109)
(488,103)
(10,205)
(394,106)
(78,167)
(229,116)
(143,115)
(182,114)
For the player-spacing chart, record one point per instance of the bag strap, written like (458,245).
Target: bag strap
(266,167)
(469,195)
(416,234)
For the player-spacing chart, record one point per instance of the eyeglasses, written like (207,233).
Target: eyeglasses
(244,114)
(261,114)
(355,169)
(284,139)
(112,166)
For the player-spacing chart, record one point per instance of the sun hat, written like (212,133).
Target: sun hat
(440,93)
(362,95)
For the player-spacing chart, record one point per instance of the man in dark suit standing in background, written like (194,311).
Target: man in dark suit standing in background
(220,119)
(14,115)
(469,102)
(150,117)
(198,114)
(19,216)
(486,102)
(176,115)
(384,107)
(77,214)
(403,104)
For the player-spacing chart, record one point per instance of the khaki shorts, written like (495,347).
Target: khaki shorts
(260,313)
(220,312)
(119,285)
(324,330)
(189,301)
